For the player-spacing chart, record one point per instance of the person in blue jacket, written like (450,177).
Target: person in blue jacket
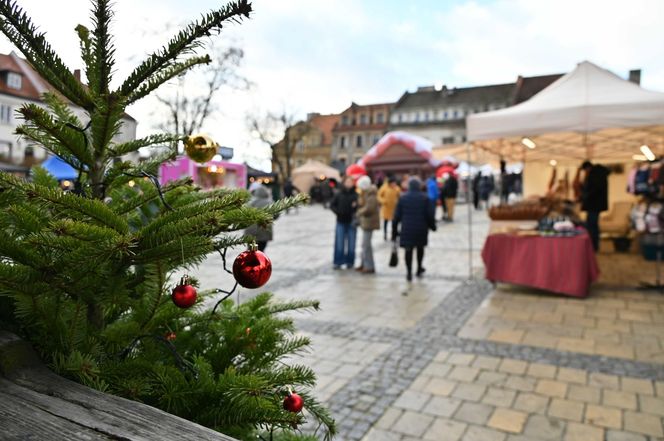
(432,191)
(416,215)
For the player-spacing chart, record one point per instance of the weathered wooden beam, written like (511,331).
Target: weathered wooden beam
(35,403)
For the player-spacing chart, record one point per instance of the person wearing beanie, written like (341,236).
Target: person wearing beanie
(415,214)
(368,215)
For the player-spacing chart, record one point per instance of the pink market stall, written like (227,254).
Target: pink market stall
(210,175)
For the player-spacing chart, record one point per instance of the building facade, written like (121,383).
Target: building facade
(439,114)
(316,143)
(19,84)
(358,129)
(309,139)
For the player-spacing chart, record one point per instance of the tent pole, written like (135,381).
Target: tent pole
(469,184)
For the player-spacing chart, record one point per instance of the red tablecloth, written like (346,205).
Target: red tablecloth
(565,265)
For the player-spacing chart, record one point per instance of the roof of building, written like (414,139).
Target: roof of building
(527,87)
(32,84)
(356,107)
(432,97)
(28,88)
(324,123)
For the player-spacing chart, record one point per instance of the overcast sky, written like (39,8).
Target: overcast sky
(318,56)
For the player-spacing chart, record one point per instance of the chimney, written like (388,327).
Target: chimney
(635,76)
(77,75)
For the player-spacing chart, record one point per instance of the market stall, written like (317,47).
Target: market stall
(589,113)
(210,175)
(400,153)
(305,176)
(60,170)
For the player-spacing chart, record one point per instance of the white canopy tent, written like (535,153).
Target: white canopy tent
(305,175)
(589,113)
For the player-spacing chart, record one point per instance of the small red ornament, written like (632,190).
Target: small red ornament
(184,295)
(252,268)
(293,402)
(170,336)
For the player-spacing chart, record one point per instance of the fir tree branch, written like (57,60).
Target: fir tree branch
(106,121)
(90,208)
(185,41)
(43,129)
(159,78)
(100,69)
(63,111)
(20,30)
(86,45)
(134,145)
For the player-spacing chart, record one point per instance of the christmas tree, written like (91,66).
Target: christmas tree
(88,276)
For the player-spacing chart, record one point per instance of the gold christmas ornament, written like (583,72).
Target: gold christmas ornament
(200,148)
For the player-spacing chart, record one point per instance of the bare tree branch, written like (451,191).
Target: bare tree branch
(281,133)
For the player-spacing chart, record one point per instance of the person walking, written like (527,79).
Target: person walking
(369,219)
(594,197)
(415,214)
(290,190)
(433,192)
(476,190)
(260,198)
(344,206)
(449,195)
(486,188)
(388,196)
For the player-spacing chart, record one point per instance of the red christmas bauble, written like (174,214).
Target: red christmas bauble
(170,336)
(184,296)
(293,403)
(252,269)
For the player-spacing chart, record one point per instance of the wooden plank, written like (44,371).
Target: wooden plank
(20,420)
(118,416)
(26,384)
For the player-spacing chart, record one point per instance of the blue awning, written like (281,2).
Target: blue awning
(59,169)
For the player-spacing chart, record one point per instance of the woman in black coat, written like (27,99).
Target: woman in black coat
(416,216)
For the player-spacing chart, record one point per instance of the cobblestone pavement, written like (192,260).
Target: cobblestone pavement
(445,358)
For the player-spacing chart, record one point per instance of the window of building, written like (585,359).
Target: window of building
(299,146)
(425,116)
(448,139)
(376,138)
(463,138)
(342,161)
(342,142)
(358,141)
(400,118)
(5,113)
(417,116)
(14,80)
(380,118)
(29,152)
(344,120)
(5,150)
(455,114)
(357,158)
(445,114)
(363,119)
